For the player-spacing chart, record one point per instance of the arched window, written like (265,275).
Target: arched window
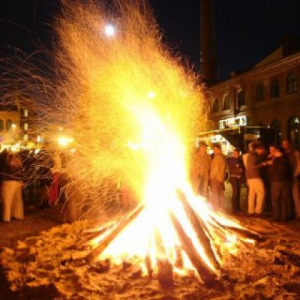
(8,124)
(241,98)
(1,125)
(293,130)
(291,84)
(259,93)
(215,107)
(275,88)
(226,103)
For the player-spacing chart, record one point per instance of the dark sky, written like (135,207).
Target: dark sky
(246,30)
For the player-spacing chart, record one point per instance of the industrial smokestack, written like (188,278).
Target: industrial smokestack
(208,55)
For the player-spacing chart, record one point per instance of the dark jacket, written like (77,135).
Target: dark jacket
(235,167)
(280,170)
(12,167)
(253,166)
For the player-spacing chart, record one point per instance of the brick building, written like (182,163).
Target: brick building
(267,94)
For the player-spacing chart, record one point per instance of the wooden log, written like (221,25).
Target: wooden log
(165,272)
(205,273)
(148,264)
(90,235)
(165,268)
(179,258)
(117,229)
(200,229)
(241,232)
(96,228)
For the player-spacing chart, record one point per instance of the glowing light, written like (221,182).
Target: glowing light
(151,95)
(106,104)
(109,30)
(64,141)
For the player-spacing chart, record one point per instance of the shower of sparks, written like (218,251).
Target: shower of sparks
(129,105)
(131,112)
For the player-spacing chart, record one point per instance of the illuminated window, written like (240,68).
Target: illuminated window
(259,93)
(275,88)
(25,126)
(241,98)
(25,112)
(291,84)
(215,107)
(226,103)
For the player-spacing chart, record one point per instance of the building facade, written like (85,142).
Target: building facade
(17,122)
(266,95)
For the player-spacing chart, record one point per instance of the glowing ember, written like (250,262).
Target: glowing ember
(134,113)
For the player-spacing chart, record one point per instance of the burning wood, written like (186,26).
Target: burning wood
(202,252)
(203,270)
(200,229)
(113,233)
(165,268)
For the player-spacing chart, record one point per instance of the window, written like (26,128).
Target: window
(8,124)
(25,112)
(259,92)
(25,126)
(275,88)
(241,98)
(226,103)
(291,84)
(215,107)
(1,125)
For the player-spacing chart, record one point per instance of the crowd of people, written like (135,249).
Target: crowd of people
(27,170)
(270,176)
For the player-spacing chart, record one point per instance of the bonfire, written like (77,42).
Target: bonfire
(134,110)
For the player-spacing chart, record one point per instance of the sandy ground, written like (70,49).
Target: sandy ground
(35,220)
(270,270)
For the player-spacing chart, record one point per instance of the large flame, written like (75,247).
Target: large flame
(132,108)
(134,112)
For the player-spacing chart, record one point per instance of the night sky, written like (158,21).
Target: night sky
(246,31)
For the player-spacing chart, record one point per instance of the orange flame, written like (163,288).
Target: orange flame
(135,112)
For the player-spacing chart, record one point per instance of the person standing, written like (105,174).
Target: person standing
(44,163)
(236,171)
(280,178)
(12,173)
(217,178)
(202,164)
(256,195)
(294,160)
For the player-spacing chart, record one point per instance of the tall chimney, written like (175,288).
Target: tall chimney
(208,56)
